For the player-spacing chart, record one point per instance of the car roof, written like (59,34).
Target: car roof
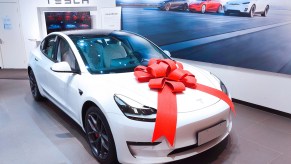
(88,32)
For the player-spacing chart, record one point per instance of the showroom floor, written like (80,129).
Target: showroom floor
(32,132)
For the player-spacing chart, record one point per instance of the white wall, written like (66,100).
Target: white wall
(267,89)
(31,19)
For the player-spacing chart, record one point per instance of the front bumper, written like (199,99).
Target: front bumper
(133,138)
(242,8)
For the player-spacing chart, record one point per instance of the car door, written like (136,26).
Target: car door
(44,74)
(258,5)
(261,5)
(68,83)
(180,4)
(210,5)
(174,4)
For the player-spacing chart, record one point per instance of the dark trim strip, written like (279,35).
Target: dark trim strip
(143,143)
(183,149)
(263,108)
(142,119)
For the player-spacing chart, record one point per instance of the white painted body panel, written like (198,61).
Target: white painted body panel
(238,5)
(196,110)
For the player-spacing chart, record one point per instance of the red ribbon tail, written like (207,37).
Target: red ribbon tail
(166,120)
(217,93)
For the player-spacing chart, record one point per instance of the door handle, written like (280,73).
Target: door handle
(35,59)
(1,42)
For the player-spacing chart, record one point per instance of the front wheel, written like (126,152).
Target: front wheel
(219,9)
(252,11)
(167,7)
(99,136)
(34,87)
(203,9)
(264,14)
(226,12)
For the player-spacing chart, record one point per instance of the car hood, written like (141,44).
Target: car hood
(189,100)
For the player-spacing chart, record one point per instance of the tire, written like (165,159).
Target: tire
(99,136)
(185,7)
(264,14)
(219,9)
(252,11)
(167,7)
(226,13)
(203,9)
(34,87)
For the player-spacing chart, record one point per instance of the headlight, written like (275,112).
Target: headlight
(135,110)
(246,3)
(222,86)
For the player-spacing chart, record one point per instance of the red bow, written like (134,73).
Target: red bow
(169,78)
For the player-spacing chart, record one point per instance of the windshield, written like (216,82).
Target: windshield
(115,53)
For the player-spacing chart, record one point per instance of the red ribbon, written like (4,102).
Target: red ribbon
(169,78)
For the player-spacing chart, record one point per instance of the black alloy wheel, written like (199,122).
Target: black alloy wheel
(264,14)
(252,11)
(167,7)
(34,87)
(99,136)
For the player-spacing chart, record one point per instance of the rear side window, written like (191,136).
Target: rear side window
(48,47)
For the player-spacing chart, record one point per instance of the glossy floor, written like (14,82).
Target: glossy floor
(32,132)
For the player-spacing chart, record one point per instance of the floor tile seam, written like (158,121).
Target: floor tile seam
(275,129)
(278,156)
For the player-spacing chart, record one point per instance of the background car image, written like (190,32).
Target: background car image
(205,6)
(55,27)
(61,21)
(70,26)
(249,7)
(261,43)
(174,5)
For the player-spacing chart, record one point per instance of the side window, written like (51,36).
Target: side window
(48,47)
(66,54)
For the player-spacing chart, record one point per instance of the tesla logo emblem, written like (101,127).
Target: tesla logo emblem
(59,2)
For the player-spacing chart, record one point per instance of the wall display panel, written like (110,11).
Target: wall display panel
(260,41)
(63,21)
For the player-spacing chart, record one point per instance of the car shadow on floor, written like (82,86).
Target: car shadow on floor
(209,156)
(55,123)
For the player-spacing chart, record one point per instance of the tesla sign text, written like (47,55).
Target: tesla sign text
(68,1)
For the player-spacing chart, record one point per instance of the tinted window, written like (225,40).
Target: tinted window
(48,47)
(117,52)
(66,54)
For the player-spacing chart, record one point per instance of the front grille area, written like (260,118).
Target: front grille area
(183,149)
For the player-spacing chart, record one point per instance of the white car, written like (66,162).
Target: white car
(249,7)
(89,75)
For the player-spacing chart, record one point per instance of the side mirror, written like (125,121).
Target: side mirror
(167,52)
(63,67)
